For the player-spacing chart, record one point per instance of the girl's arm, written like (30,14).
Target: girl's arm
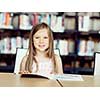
(22,65)
(59,64)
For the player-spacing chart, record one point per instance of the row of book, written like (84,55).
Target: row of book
(79,64)
(26,21)
(85,23)
(70,64)
(88,47)
(84,47)
(9,44)
(65,46)
(57,23)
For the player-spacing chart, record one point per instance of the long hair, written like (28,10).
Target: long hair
(32,50)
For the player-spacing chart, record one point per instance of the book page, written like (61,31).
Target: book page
(68,77)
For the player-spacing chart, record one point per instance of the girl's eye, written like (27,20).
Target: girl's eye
(45,37)
(42,37)
(37,37)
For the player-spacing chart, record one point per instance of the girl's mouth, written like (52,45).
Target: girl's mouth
(41,46)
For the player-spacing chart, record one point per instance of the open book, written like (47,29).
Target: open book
(65,77)
(36,75)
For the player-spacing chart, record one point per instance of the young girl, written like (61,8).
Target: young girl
(41,57)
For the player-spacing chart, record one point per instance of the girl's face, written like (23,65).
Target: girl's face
(41,40)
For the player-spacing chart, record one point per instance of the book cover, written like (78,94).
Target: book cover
(36,75)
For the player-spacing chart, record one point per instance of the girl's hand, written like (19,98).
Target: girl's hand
(24,72)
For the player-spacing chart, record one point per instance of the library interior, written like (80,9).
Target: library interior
(76,37)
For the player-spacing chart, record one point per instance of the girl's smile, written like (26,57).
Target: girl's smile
(41,46)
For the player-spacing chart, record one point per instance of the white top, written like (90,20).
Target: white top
(43,67)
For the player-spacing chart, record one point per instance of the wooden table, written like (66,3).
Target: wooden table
(13,80)
(89,81)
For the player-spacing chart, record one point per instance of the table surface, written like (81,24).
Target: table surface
(89,81)
(13,80)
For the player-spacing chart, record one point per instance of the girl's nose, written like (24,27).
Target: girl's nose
(41,40)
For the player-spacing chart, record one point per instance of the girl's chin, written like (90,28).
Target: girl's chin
(42,50)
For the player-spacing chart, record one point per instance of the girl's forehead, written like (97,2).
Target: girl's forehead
(42,32)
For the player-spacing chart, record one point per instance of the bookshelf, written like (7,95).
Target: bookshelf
(76,35)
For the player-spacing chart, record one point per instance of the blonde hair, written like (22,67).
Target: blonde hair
(32,50)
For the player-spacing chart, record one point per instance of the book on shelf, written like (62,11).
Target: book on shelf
(6,20)
(69,23)
(63,47)
(96,24)
(71,46)
(96,46)
(64,77)
(45,18)
(57,23)
(82,48)
(25,22)
(84,23)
